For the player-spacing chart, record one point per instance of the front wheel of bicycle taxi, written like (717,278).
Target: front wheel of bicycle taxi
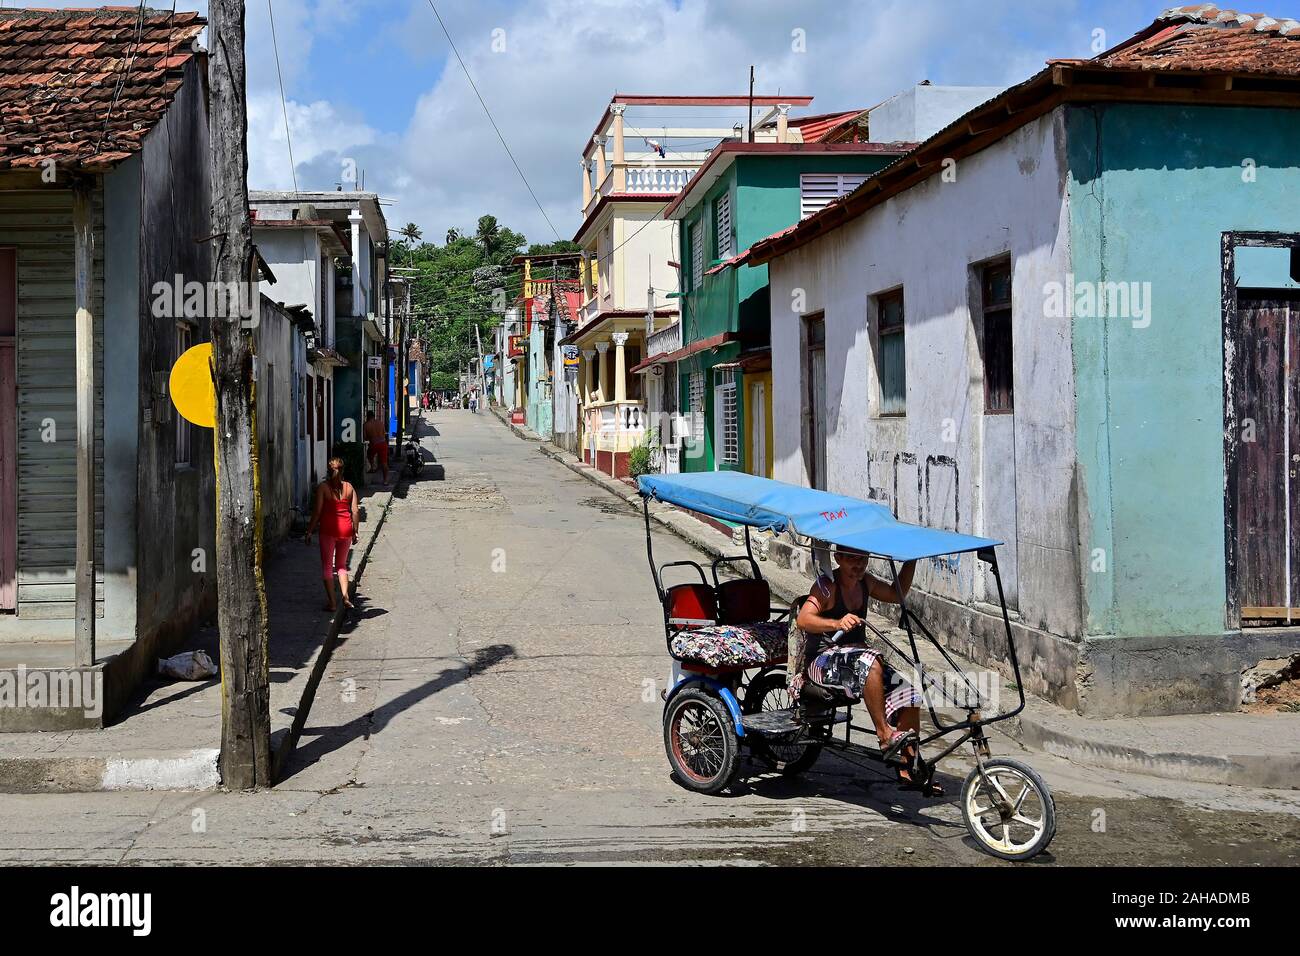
(1008,809)
(701,741)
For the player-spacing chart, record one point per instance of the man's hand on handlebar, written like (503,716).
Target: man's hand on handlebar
(848,622)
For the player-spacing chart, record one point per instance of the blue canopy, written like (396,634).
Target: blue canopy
(775,506)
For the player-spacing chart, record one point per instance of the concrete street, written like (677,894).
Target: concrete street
(499,703)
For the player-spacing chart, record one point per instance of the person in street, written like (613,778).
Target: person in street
(376,445)
(473,404)
(335,512)
(838,602)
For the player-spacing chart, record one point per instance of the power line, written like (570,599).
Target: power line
(284,106)
(126,73)
(473,86)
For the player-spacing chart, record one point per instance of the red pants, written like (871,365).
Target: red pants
(379,449)
(334,556)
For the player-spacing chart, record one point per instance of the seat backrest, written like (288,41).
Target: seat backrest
(744,601)
(692,602)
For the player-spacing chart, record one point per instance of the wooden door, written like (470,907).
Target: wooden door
(1267,460)
(8,430)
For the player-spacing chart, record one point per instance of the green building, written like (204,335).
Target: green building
(745,192)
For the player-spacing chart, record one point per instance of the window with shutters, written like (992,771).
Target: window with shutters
(725,247)
(727,418)
(818,190)
(891,353)
(184,435)
(697,253)
(696,399)
(995,285)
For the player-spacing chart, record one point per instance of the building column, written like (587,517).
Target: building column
(620,367)
(586,185)
(358,299)
(782,122)
(587,356)
(620,169)
(600,160)
(603,349)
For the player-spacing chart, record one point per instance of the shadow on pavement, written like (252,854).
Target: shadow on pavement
(329,739)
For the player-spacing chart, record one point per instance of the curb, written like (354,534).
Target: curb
(1267,771)
(180,770)
(1273,771)
(285,748)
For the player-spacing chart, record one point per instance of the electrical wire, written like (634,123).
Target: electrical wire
(491,120)
(126,74)
(284,105)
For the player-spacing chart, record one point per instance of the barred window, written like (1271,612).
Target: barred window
(696,398)
(725,410)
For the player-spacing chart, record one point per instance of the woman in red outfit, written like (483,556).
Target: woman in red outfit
(335,512)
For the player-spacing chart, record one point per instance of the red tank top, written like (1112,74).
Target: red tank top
(336,514)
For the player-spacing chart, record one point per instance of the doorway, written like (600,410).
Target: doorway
(1262,442)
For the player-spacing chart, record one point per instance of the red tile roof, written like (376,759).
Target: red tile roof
(84,87)
(1193,39)
(815,129)
(1203,38)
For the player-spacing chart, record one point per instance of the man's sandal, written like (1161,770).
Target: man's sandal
(892,753)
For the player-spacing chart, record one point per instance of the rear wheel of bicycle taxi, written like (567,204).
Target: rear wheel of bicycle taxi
(700,739)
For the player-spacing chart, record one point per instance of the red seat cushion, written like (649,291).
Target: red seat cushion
(695,602)
(744,601)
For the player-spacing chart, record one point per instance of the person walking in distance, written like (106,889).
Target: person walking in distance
(335,512)
(377,444)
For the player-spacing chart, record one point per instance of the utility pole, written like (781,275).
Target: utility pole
(482,375)
(241,597)
(750,121)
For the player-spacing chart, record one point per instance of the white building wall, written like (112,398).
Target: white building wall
(643,261)
(1008,198)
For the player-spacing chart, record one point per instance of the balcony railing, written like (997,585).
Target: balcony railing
(666,340)
(628,418)
(658,179)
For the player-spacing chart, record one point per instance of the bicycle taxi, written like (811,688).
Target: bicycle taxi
(732,645)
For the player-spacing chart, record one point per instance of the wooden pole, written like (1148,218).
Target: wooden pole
(241,597)
(83,238)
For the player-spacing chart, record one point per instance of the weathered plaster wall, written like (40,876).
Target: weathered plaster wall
(1008,199)
(1152,190)
(275,419)
(176,586)
(122,311)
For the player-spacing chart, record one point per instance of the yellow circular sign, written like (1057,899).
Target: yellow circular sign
(192,391)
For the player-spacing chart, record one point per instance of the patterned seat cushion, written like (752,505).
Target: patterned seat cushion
(730,645)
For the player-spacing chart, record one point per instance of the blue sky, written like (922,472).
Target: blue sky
(372,81)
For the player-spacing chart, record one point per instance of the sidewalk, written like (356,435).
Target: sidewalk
(169,739)
(1256,750)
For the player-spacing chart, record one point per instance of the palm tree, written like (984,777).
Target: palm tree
(411,232)
(452,235)
(488,234)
